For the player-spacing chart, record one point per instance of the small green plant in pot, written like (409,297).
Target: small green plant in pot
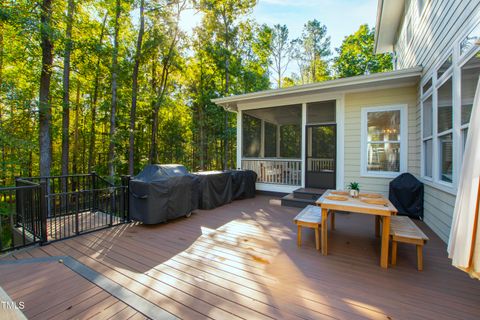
(354,188)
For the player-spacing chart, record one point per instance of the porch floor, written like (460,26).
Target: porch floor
(241,261)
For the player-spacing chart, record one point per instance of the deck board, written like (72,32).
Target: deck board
(241,261)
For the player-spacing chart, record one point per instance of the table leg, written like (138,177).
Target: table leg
(332,220)
(317,238)
(377,226)
(385,240)
(299,236)
(324,231)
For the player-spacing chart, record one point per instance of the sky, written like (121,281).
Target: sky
(342,17)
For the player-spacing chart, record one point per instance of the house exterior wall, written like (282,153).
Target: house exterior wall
(354,102)
(426,38)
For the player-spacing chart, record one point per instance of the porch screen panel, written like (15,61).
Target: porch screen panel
(270,140)
(291,141)
(321,112)
(252,131)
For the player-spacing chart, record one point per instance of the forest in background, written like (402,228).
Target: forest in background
(111,85)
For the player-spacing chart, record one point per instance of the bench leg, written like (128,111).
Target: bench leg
(324,232)
(317,238)
(394,253)
(419,257)
(332,220)
(299,236)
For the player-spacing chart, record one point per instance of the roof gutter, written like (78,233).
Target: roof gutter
(226,102)
(377,24)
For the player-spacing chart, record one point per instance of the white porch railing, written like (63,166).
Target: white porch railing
(276,171)
(317,164)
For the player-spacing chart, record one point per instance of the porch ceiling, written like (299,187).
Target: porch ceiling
(397,78)
(279,115)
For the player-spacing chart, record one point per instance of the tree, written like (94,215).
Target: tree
(138,55)
(356,56)
(221,17)
(45,108)
(111,150)
(66,88)
(281,52)
(311,51)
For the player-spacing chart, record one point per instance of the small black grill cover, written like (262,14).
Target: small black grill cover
(215,189)
(243,184)
(406,194)
(162,192)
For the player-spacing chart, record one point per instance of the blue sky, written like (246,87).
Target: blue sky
(342,17)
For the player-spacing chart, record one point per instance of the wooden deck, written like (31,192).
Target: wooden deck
(242,261)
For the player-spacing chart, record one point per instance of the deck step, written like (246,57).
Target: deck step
(308,193)
(290,201)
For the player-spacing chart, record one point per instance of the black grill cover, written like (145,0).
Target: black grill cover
(406,194)
(243,184)
(215,189)
(162,192)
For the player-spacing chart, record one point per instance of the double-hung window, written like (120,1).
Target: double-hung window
(384,141)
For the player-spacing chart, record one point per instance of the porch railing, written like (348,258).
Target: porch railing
(276,171)
(319,164)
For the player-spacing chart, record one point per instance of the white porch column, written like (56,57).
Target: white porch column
(239,139)
(304,124)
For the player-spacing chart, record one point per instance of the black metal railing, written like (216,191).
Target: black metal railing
(46,209)
(21,219)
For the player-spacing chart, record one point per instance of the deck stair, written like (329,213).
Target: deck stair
(302,197)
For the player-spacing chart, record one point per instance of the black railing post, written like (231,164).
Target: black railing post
(125,198)
(94,195)
(43,212)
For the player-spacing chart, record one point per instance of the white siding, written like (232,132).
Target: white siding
(434,30)
(354,102)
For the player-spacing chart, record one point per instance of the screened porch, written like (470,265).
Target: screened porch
(272,140)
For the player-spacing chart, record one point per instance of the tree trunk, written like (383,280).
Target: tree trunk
(111,149)
(133,110)
(91,147)
(45,110)
(66,90)
(75,131)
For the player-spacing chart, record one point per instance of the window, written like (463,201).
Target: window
(468,43)
(444,67)
(446,102)
(384,139)
(427,116)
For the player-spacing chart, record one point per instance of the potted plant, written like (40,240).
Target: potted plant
(354,188)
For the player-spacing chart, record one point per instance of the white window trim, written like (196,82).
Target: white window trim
(403,108)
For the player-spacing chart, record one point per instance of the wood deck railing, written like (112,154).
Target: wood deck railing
(276,171)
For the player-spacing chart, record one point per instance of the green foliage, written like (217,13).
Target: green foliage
(356,56)
(354,186)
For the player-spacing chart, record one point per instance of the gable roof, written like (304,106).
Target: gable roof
(389,16)
(364,82)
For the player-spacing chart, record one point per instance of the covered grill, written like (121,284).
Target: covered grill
(215,189)
(162,192)
(406,194)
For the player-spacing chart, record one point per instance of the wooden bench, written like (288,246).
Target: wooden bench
(309,217)
(403,229)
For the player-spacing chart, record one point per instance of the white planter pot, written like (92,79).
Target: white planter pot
(354,193)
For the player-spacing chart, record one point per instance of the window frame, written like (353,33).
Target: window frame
(403,108)
(454,72)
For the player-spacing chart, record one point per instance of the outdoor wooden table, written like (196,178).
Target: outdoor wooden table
(356,205)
